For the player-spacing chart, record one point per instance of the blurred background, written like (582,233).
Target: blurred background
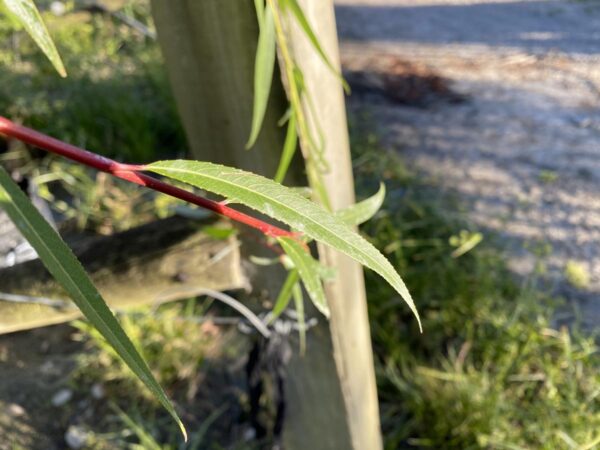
(482,117)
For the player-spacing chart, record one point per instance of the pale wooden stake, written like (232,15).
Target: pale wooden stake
(347,299)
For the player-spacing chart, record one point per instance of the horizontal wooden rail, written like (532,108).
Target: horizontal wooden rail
(167,260)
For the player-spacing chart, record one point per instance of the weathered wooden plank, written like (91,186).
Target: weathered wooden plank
(162,261)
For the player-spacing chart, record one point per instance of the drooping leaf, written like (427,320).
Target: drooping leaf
(289,148)
(28,15)
(299,305)
(312,37)
(259,5)
(287,206)
(285,117)
(263,72)
(285,294)
(64,266)
(309,271)
(362,211)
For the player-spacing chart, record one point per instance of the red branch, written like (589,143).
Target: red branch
(131,173)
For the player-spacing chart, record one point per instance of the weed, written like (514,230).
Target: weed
(577,274)
(548,176)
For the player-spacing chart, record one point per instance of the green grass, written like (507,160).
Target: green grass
(115,101)
(189,359)
(490,370)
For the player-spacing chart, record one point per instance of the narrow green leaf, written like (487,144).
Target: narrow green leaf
(283,299)
(263,72)
(28,15)
(309,270)
(299,304)
(147,441)
(64,266)
(363,211)
(470,241)
(259,5)
(289,148)
(285,117)
(287,206)
(314,40)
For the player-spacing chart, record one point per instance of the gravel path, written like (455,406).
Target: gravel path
(524,149)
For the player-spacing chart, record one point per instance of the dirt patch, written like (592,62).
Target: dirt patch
(34,366)
(398,80)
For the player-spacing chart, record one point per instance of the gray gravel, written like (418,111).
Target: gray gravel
(524,150)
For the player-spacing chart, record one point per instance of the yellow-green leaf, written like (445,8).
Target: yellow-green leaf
(285,294)
(289,148)
(259,5)
(299,305)
(287,206)
(28,15)
(263,72)
(309,270)
(362,211)
(64,266)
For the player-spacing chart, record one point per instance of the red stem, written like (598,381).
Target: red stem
(130,172)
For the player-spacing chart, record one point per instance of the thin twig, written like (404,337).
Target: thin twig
(54,303)
(239,307)
(131,173)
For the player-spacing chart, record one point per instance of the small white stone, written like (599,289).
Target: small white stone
(76,437)
(97,391)
(249,434)
(62,397)
(15,410)
(48,368)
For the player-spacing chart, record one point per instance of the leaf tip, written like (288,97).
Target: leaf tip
(346,86)
(413,308)
(182,429)
(251,140)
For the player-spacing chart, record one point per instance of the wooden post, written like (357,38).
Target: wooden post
(209,48)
